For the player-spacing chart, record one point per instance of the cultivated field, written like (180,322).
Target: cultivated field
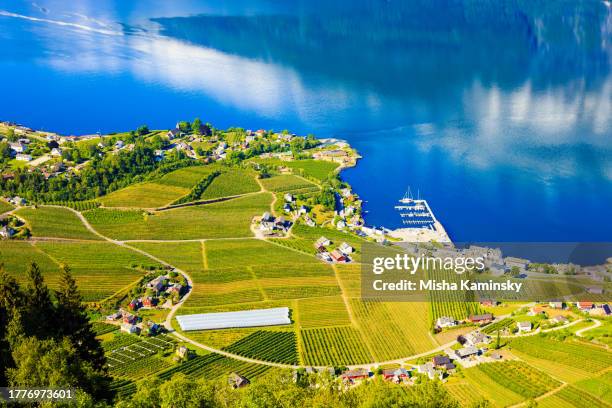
(393,329)
(334,346)
(286,182)
(16,256)
(230,183)
(588,358)
(218,220)
(55,222)
(100,268)
(158,193)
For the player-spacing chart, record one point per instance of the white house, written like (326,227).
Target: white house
(445,321)
(523,327)
(17,147)
(476,337)
(130,328)
(56,151)
(23,157)
(346,248)
(289,197)
(6,232)
(322,242)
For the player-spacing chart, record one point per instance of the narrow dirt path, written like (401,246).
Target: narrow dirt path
(581,331)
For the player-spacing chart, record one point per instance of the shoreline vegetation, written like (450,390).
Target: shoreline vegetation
(155,224)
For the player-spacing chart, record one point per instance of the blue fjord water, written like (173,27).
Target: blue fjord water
(498,112)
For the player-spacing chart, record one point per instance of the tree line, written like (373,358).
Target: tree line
(46,338)
(100,176)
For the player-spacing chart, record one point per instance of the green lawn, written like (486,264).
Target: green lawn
(55,222)
(230,218)
(4,206)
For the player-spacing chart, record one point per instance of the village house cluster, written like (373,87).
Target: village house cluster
(270,225)
(341,254)
(132,324)
(164,288)
(444,322)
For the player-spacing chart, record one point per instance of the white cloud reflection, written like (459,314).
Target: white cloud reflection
(510,127)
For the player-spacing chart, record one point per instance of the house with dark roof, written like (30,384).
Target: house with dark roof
(235,381)
(481,319)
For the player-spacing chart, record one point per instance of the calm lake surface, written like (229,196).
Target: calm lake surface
(498,112)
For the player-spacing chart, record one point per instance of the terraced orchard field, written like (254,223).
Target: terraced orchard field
(317,169)
(520,378)
(219,220)
(213,366)
(286,182)
(334,346)
(456,304)
(275,346)
(158,193)
(591,359)
(393,329)
(55,222)
(230,183)
(100,268)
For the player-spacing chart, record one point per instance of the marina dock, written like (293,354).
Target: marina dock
(420,221)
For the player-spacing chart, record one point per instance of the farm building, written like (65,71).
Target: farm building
(481,319)
(345,248)
(556,304)
(6,232)
(441,361)
(559,319)
(466,352)
(114,316)
(429,369)
(476,337)
(130,328)
(445,321)
(247,318)
(357,374)
(396,375)
(235,380)
(536,310)
(523,326)
(584,305)
(322,242)
(338,256)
